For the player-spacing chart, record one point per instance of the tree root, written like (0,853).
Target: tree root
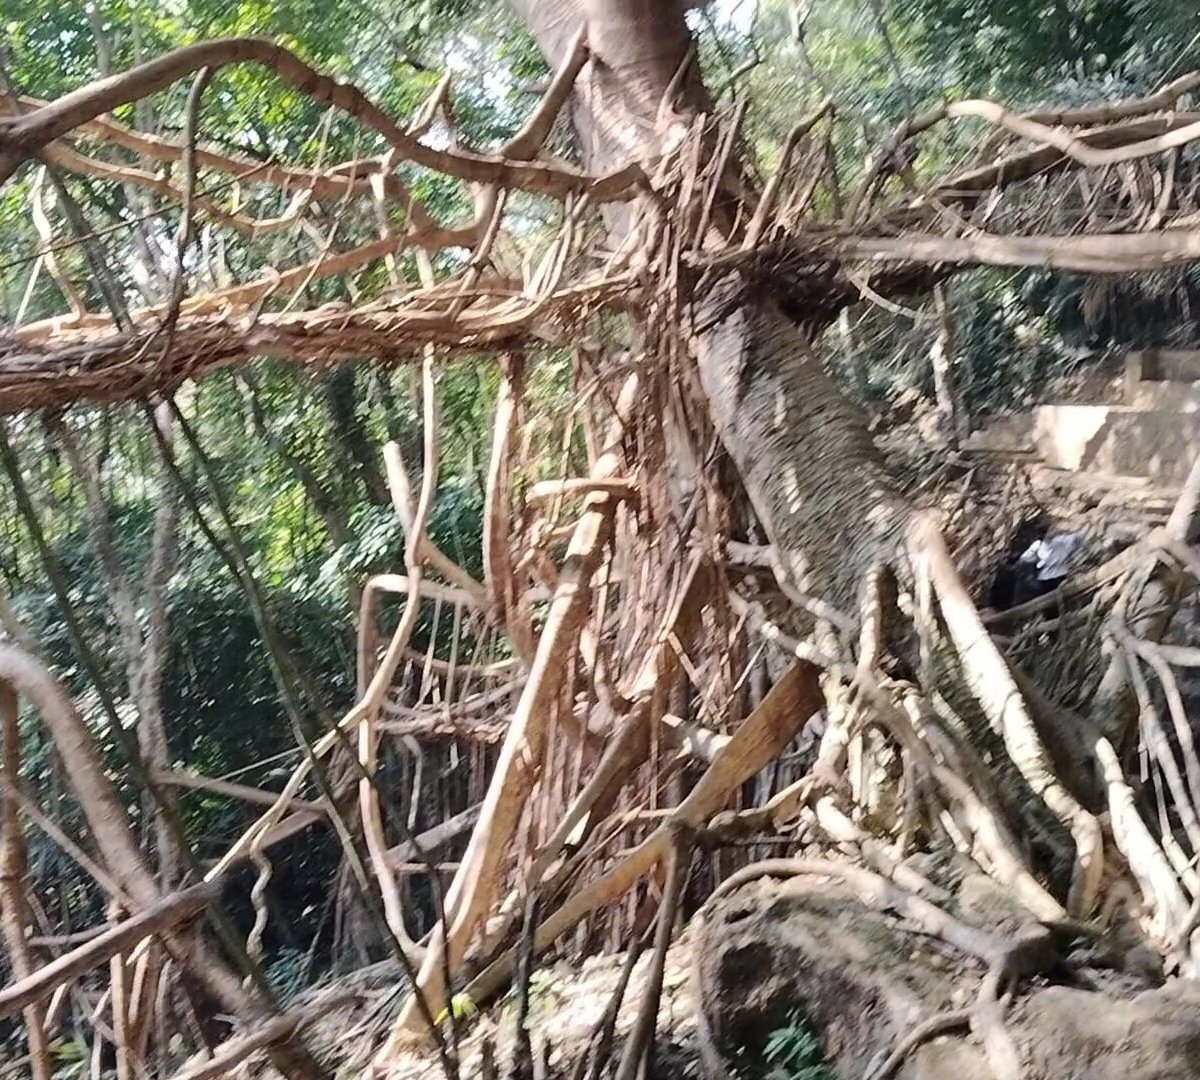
(930,1028)
(993,687)
(637,1046)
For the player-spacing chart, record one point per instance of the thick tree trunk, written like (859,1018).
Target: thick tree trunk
(822,491)
(802,449)
(819,486)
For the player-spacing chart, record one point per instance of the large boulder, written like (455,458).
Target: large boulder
(808,948)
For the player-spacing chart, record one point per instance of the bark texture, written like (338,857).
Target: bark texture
(818,484)
(820,488)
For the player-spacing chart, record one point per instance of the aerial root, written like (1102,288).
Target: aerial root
(991,683)
(911,779)
(637,1045)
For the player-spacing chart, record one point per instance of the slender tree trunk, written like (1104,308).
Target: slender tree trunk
(144,640)
(14,878)
(952,421)
(350,439)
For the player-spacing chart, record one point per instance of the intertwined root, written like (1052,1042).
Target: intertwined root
(896,770)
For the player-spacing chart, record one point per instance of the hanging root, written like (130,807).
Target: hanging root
(637,1045)
(991,684)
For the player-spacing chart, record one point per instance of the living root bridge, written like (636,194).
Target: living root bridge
(883,244)
(51,366)
(721,379)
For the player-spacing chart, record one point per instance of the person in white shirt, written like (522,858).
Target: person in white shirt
(1050,559)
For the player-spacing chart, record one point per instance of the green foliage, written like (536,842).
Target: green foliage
(288,973)
(1027,49)
(461,1008)
(1018,46)
(1017,333)
(793,1052)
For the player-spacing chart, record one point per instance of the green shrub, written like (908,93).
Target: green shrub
(793,1052)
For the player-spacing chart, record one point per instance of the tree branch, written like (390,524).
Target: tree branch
(24,136)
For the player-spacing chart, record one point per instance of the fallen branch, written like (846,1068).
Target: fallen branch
(169,913)
(233,1052)
(992,685)
(433,838)
(1155,876)
(545,490)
